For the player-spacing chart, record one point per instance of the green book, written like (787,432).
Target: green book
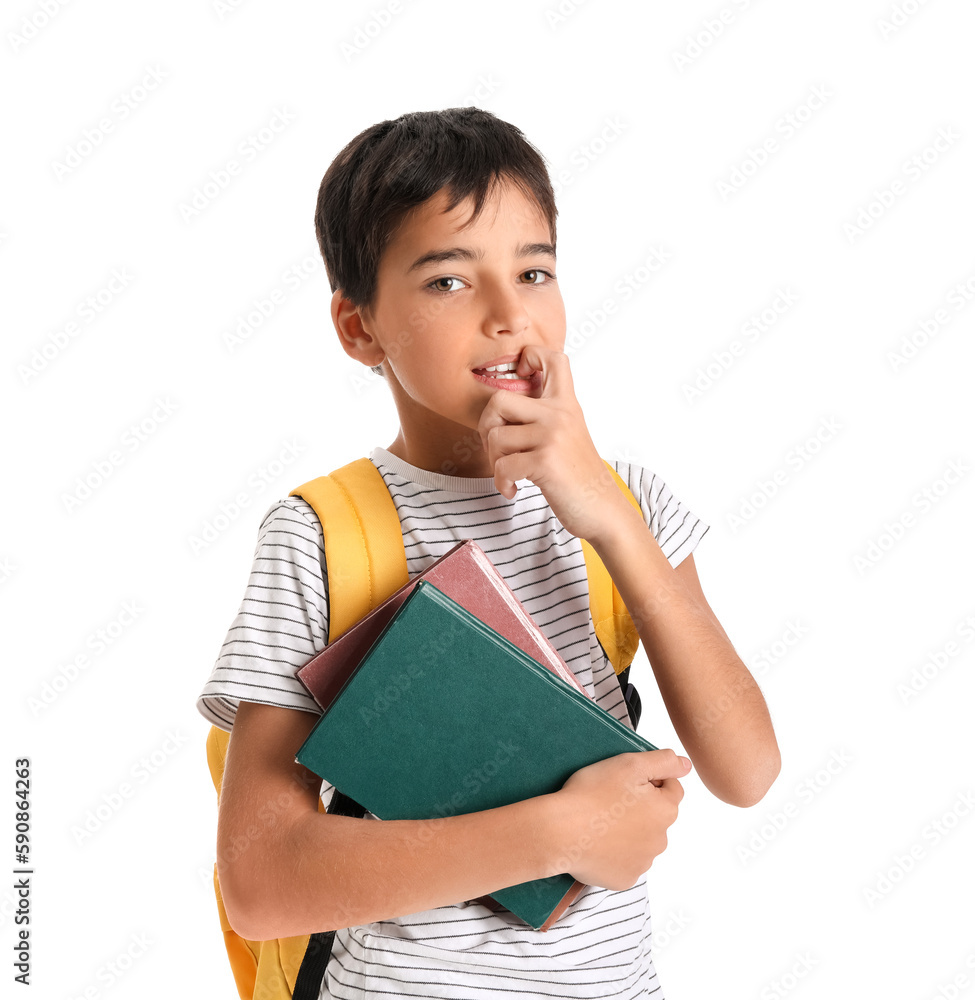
(443,716)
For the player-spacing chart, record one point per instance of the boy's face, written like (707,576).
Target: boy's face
(437,321)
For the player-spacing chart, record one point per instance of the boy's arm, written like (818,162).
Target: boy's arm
(715,704)
(286,869)
(713,701)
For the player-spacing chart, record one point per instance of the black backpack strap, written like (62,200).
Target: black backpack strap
(631,696)
(308,985)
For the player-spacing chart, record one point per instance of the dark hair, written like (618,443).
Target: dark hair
(391,167)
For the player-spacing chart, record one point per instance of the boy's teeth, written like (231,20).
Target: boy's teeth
(506,371)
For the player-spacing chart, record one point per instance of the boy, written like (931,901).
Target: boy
(428,225)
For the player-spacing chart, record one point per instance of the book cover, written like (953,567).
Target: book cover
(444,715)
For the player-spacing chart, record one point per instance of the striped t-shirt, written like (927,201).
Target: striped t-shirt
(600,946)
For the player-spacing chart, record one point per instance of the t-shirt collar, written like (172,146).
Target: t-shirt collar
(437,480)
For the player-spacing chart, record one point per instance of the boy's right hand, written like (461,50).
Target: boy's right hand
(613,816)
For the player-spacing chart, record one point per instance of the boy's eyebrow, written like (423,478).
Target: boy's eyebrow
(466,253)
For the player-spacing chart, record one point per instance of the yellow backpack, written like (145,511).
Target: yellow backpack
(364,549)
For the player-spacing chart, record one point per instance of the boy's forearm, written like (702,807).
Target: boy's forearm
(330,872)
(716,707)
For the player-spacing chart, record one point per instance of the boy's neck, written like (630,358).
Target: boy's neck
(466,459)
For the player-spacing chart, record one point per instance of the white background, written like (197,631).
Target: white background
(831,611)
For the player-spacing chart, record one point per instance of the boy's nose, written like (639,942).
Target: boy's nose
(505,312)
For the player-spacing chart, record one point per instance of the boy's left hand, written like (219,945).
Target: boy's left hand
(543,437)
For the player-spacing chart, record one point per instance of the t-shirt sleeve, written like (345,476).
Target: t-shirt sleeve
(282,622)
(675,526)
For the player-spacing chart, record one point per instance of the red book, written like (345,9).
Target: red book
(466,575)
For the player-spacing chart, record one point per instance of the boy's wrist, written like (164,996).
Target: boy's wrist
(620,523)
(558,833)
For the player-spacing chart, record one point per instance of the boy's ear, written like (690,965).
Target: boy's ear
(354,337)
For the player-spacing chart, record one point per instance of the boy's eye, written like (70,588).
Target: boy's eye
(436,285)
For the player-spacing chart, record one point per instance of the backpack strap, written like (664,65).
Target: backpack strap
(364,553)
(262,969)
(366,561)
(612,622)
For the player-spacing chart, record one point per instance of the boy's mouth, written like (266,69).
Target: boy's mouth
(502,374)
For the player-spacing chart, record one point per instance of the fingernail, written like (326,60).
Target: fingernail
(686,762)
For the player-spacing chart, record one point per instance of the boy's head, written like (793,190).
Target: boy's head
(387,171)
